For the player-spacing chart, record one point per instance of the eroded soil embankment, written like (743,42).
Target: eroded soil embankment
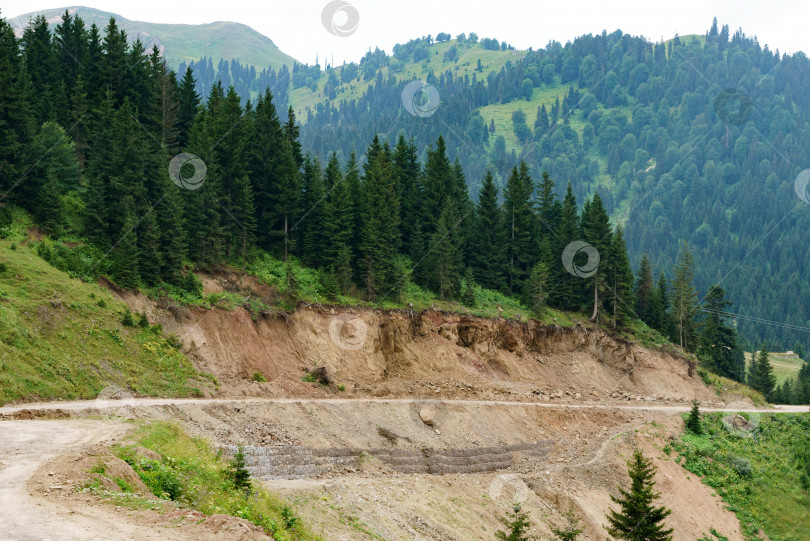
(401,353)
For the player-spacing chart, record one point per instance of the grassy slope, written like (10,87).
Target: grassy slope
(196,476)
(184,42)
(771,498)
(468,56)
(784,366)
(56,342)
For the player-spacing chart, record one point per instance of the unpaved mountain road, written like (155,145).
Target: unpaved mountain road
(26,446)
(29,445)
(145,402)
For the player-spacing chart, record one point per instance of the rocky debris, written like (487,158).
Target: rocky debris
(428,414)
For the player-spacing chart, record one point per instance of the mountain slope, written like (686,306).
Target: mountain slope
(181,42)
(697,139)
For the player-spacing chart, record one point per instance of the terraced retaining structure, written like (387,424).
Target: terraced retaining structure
(293,462)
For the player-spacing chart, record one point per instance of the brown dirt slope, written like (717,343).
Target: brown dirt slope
(430,353)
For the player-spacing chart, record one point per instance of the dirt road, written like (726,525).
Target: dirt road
(27,446)
(132,402)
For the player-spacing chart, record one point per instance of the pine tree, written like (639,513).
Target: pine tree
(114,62)
(520,227)
(488,256)
(16,124)
(567,292)
(380,234)
(315,238)
(41,68)
(620,280)
(693,420)
(338,224)
(408,177)
(764,378)
(684,297)
(718,341)
(571,531)
(517,524)
(237,471)
(644,291)
(275,178)
(638,519)
(444,262)
(188,103)
(469,288)
(661,317)
(293,133)
(124,256)
(536,290)
(597,232)
(549,207)
(49,206)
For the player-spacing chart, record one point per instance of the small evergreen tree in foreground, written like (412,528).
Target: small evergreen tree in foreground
(237,471)
(693,421)
(517,523)
(638,519)
(571,531)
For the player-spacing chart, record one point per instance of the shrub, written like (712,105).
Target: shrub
(258,376)
(143,321)
(128,320)
(161,481)
(741,465)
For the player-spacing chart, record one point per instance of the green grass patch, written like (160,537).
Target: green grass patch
(62,338)
(724,386)
(195,475)
(784,366)
(762,478)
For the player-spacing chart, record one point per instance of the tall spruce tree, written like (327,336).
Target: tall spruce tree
(620,280)
(444,262)
(488,255)
(314,235)
(684,297)
(567,292)
(764,379)
(644,291)
(380,235)
(519,225)
(188,103)
(597,232)
(717,341)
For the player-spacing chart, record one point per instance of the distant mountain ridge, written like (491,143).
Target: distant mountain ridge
(180,42)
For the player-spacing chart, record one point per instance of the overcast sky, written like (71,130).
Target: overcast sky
(295,25)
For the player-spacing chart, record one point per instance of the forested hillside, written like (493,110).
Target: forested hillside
(141,179)
(695,139)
